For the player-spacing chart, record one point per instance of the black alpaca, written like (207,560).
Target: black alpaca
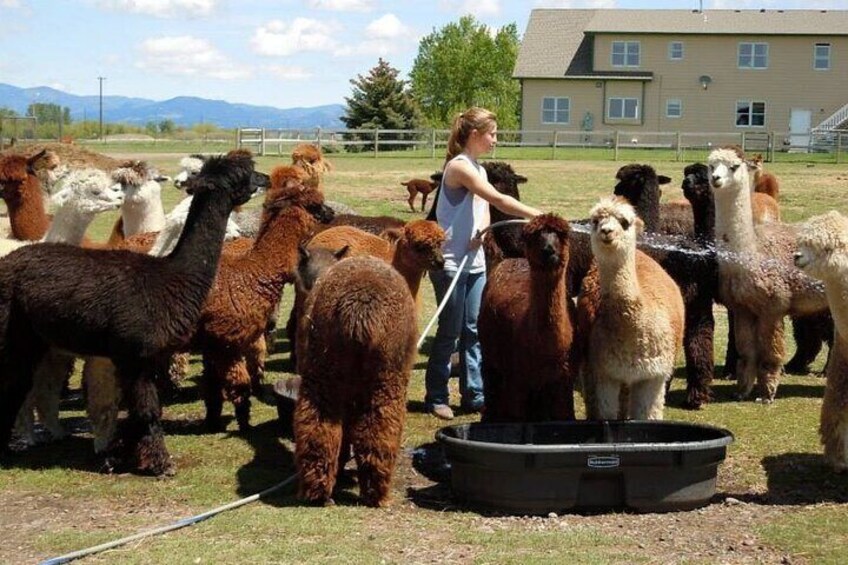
(133,308)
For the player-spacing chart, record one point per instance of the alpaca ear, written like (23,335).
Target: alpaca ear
(638,226)
(392,235)
(342,253)
(519,179)
(302,253)
(60,198)
(662,179)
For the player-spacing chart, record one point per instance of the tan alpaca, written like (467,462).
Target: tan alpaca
(757,280)
(630,317)
(823,254)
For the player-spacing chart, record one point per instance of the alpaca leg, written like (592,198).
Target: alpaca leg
(833,425)
(255,357)
(589,392)
(48,381)
(698,348)
(178,367)
(731,355)
(317,443)
(212,386)
(411,198)
(237,390)
(25,421)
(16,375)
(103,397)
(607,391)
(810,333)
(647,399)
(143,436)
(770,345)
(375,436)
(746,345)
(423,200)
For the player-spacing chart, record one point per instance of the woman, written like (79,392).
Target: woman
(462,210)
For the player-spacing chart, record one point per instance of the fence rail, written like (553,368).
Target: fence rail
(611,144)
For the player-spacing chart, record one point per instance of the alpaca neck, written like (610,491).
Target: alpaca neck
(703,214)
(648,209)
(836,289)
(274,253)
(734,226)
(27,217)
(142,217)
(199,248)
(69,225)
(618,280)
(548,300)
(411,272)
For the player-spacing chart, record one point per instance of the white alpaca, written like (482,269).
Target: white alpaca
(630,312)
(84,193)
(174,222)
(142,210)
(757,280)
(823,254)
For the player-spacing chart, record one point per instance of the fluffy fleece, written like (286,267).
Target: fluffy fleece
(358,343)
(823,253)
(526,328)
(631,317)
(20,187)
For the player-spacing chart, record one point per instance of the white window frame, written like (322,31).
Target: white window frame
(557,101)
(673,102)
(750,61)
(817,57)
(624,101)
(750,103)
(672,45)
(630,49)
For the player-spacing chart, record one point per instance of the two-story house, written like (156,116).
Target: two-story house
(687,71)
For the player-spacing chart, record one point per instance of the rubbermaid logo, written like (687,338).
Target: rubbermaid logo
(603,461)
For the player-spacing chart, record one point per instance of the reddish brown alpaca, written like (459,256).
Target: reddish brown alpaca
(419,186)
(21,189)
(765,183)
(526,330)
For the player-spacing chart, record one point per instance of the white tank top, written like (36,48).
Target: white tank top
(461,214)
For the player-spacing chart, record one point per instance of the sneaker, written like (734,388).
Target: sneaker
(442,411)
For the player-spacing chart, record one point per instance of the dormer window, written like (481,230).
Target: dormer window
(625,53)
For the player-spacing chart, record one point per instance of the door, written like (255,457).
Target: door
(800,121)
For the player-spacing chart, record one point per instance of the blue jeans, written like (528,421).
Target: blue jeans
(457,327)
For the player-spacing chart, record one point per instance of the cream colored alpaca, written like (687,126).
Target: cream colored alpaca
(631,317)
(823,254)
(757,280)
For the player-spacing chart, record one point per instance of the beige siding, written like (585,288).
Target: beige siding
(789,82)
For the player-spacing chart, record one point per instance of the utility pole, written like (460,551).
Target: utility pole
(101,79)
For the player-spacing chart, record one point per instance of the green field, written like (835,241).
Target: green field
(776,500)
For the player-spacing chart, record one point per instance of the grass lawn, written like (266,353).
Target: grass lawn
(775,498)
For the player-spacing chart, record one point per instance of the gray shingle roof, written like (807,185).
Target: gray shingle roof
(558,43)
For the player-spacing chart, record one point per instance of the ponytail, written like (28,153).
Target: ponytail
(474,118)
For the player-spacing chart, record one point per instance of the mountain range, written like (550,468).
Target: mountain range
(182,110)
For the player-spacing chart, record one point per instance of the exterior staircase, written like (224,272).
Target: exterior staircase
(824,136)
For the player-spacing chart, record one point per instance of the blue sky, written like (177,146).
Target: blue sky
(270,52)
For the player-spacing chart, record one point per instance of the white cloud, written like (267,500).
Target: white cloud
(343,5)
(188,56)
(10,4)
(278,38)
(387,27)
(163,8)
(476,8)
(577,4)
(287,72)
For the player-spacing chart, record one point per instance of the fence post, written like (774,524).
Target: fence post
(433,143)
(679,143)
(771,147)
(838,147)
(318,137)
(554,146)
(615,146)
(262,142)
(744,139)
(376,141)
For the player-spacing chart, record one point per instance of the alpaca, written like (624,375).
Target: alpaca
(419,186)
(526,330)
(142,210)
(757,281)
(85,193)
(764,183)
(823,253)
(631,318)
(371,224)
(20,188)
(358,341)
(129,307)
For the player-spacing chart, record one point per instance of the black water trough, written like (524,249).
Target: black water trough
(538,468)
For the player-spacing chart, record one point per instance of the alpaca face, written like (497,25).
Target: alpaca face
(312,263)
(613,226)
(696,183)
(189,166)
(89,191)
(634,181)
(502,176)
(823,246)
(546,241)
(232,173)
(727,170)
(424,239)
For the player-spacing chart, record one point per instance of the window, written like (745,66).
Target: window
(623,108)
(753,55)
(675,51)
(556,110)
(625,53)
(750,113)
(821,57)
(673,108)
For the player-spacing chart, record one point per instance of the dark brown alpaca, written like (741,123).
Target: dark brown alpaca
(133,308)
(358,344)
(526,330)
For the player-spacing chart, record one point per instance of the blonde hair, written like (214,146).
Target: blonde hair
(474,118)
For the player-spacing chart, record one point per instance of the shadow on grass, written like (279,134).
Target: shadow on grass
(724,391)
(803,478)
(72,452)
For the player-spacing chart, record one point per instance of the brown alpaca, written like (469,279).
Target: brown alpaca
(526,328)
(20,187)
(419,186)
(358,338)
(764,183)
(823,254)
(757,281)
(630,316)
